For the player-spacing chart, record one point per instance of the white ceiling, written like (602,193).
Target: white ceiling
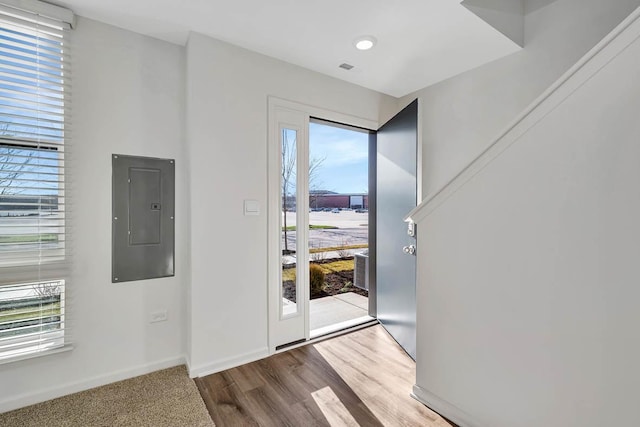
(420,42)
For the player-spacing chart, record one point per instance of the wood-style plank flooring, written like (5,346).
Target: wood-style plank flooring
(362,378)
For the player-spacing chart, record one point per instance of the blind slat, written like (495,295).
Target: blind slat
(21,78)
(39,342)
(34,47)
(43,338)
(42,58)
(46,94)
(25,63)
(50,97)
(27,23)
(42,341)
(24,68)
(45,107)
(35,205)
(11,33)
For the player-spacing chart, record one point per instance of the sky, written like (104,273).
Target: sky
(345,153)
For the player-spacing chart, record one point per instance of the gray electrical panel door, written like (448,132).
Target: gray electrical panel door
(143,218)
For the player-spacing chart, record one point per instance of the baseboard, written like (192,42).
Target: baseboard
(231,362)
(27,399)
(444,408)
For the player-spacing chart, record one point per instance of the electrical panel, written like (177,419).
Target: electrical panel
(143,218)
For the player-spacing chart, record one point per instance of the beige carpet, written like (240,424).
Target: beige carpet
(167,398)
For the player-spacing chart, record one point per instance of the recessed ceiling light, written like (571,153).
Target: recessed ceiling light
(365,42)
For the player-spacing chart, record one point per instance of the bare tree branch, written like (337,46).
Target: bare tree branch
(289,155)
(289,165)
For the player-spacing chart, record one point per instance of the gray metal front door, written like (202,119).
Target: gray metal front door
(396,197)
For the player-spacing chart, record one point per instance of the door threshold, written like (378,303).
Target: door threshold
(337,327)
(365,322)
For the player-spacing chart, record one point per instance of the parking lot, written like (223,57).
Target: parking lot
(352,229)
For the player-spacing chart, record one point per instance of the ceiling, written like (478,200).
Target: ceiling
(420,42)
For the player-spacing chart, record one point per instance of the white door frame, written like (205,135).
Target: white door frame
(291,115)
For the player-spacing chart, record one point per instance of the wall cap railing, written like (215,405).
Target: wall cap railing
(597,58)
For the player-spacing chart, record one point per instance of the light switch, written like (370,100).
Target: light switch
(251,207)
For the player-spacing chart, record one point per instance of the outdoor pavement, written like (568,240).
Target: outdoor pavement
(343,219)
(336,309)
(352,230)
(330,312)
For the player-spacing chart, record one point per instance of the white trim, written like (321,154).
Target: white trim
(47,10)
(302,217)
(252,356)
(325,114)
(444,408)
(33,355)
(228,363)
(285,328)
(597,58)
(27,399)
(282,107)
(338,327)
(419,153)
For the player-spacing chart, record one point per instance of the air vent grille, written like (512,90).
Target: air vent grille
(346,66)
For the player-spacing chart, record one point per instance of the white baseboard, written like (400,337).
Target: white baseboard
(443,407)
(231,362)
(27,399)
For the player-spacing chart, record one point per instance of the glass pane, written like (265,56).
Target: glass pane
(290,294)
(338,222)
(31,317)
(31,204)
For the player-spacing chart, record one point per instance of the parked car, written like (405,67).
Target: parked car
(335,210)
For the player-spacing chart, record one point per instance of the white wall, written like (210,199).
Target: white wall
(227,89)
(463,115)
(528,278)
(127,99)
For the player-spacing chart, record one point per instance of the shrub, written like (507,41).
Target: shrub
(347,287)
(318,256)
(343,252)
(316,279)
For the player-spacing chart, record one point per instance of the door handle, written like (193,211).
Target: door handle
(409,250)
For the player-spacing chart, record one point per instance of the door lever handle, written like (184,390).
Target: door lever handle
(409,250)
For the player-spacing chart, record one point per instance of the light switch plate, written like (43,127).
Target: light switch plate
(251,207)
(158,316)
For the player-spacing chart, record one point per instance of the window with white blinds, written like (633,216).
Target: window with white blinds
(34,130)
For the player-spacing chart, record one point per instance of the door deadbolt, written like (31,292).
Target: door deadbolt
(409,250)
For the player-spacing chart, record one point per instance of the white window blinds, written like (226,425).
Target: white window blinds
(34,135)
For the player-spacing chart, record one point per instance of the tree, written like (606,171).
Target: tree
(289,154)
(315,164)
(14,163)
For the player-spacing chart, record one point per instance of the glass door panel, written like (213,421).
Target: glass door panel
(290,281)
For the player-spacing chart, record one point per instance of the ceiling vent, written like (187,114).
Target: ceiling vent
(346,66)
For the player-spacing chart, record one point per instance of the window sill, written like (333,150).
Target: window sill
(65,348)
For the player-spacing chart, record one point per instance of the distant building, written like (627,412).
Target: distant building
(328,199)
(19,205)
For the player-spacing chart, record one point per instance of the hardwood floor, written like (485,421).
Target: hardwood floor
(362,378)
